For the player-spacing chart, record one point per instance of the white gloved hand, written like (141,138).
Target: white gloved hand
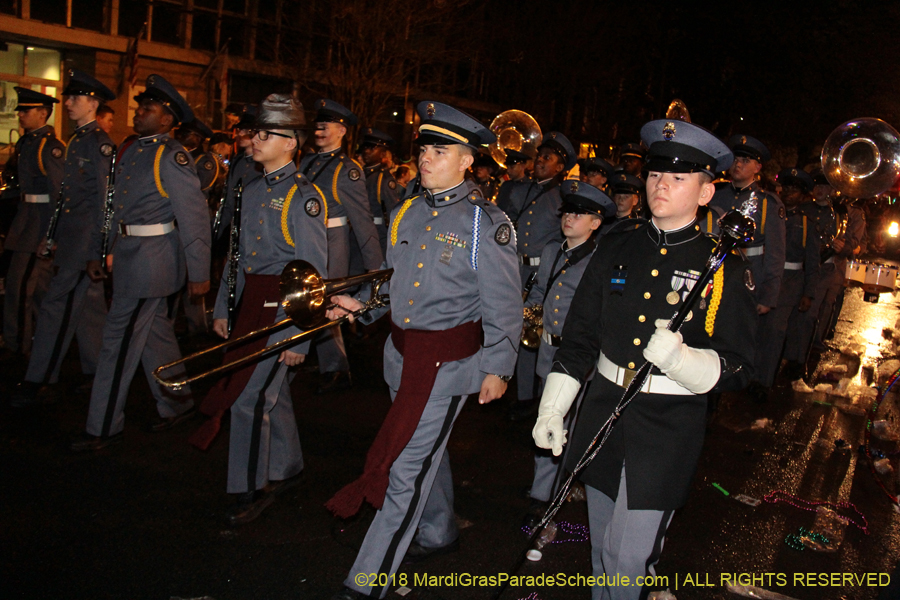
(697,370)
(560,391)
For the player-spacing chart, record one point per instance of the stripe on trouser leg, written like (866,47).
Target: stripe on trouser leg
(256,431)
(23,297)
(657,549)
(388,561)
(120,366)
(61,334)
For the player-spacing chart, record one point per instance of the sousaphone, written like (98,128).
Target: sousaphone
(515,130)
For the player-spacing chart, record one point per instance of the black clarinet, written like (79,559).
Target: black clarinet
(47,252)
(234,253)
(109,209)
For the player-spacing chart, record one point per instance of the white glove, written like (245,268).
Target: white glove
(696,370)
(560,392)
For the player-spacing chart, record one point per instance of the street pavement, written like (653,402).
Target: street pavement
(144,519)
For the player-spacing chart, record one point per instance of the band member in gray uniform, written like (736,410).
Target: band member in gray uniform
(341,181)
(283,218)
(380,184)
(156,185)
(74,304)
(798,285)
(40,174)
(455,280)
(584,210)
(633,285)
(243,167)
(597,172)
(626,193)
(192,135)
(534,208)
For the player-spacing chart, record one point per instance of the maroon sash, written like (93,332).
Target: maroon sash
(423,352)
(258,289)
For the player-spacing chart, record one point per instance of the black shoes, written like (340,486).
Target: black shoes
(523,409)
(251,504)
(416,553)
(163,423)
(535,513)
(25,395)
(793,370)
(334,382)
(88,443)
(757,392)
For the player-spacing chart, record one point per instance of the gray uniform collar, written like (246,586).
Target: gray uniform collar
(447,197)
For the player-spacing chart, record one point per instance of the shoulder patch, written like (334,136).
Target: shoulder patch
(106,149)
(181,158)
(353,174)
(748,279)
(781,213)
(56,153)
(208,165)
(392,184)
(312,207)
(504,234)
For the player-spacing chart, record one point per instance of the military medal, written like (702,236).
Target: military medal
(673,298)
(447,254)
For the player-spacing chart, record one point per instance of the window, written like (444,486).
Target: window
(88,14)
(49,11)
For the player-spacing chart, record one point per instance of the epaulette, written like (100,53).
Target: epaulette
(624,225)
(487,207)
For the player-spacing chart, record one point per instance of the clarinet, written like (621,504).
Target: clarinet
(234,253)
(54,223)
(109,209)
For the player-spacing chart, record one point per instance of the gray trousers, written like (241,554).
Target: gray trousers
(264,442)
(136,330)
(330,343)
(526,363)
(803,325)
(26,285)
(419,495)
(829,303)
(623,541)
(771,337)
(73,306)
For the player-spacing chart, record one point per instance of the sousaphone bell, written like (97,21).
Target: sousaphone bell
(515,130)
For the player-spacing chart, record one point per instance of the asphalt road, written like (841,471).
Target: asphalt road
(144,520)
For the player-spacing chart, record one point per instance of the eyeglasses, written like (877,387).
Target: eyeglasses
(265,133)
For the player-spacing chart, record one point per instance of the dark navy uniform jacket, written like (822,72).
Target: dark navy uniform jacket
(40,173)
(87,160)
(283,218)
(156,183)
(635,277)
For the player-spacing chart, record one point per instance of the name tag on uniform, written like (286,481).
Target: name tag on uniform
(447,254)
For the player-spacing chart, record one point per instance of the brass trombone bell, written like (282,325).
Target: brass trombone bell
(303,295)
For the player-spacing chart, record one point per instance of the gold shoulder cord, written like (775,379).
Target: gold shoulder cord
(762,227)
(378,186)
(334,183)
(41,156)
(715,300)
(284,216)
(156,175)
(324,203)
(804,231)
(396,224)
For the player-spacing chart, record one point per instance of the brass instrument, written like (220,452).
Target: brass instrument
(109,208)
(515,130)
(678,110)
(234,252)
(533,326)
(303,295)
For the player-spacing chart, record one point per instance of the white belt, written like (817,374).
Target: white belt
(37,198)
(337,222)
(830,260)
(532,261)
(270,304)
(378,220)
(147,230)
(755,251)
(655,384)
(789,266)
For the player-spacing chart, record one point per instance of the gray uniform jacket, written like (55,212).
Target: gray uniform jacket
(207,168)
(283,218)
(40,173)
(558,277)
(245,169)
(383,194)
(341,182)
(156,184)
(802,246)
(87,160)
(454,261)
(535,210)
(504,197)
(767,267)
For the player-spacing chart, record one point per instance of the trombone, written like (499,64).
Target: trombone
(303,293)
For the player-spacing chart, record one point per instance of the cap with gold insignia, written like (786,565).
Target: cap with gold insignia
(29,99)
(598,164)
(329,111)
(376,137)
(750,147)
(160,90)
(562,146)
(443,124)
(797,178)
(583,198)
(82,84)
(197,126)
(623,183)
(681,147)
(633,151)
